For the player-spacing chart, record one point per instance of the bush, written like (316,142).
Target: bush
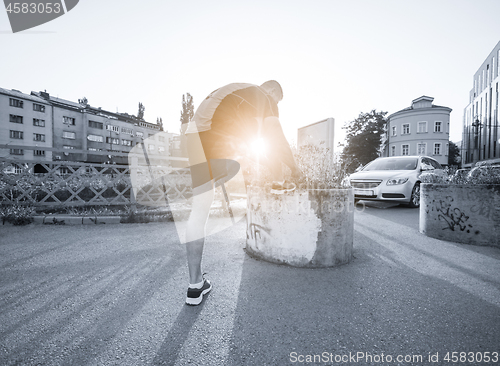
(484,174)
(320,167)
(17,214)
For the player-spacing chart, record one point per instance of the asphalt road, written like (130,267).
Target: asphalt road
(114,295)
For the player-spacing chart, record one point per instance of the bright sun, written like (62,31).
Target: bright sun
(258,147)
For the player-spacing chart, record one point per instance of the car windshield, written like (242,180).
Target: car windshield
(393,164)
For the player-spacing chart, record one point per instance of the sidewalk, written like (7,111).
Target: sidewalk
(114,295)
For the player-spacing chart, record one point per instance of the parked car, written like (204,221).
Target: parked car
(395,179)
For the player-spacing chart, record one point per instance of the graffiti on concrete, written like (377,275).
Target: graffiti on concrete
(455,218)
(256,229)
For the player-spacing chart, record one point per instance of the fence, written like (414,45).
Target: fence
(65,183)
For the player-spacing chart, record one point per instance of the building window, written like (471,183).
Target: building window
(161,149)
(151,147)
(393,150)
(139,134)
(422,127)
(405,149)
(67,147)
(421,148)
(38,137)
(16,103)
(437,126)
(98,125)
(39,108)
(437,148)
(113,128)
(161,138)
(95,138)
(127,142)
(39,152)
(17,152)
(112,140)
(92,149)
(128,131)
(394,131)
(16,135)
(15,119)
(69,135)
(70,121)
(38,122)
(405,129)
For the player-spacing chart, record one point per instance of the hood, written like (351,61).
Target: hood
(382,174)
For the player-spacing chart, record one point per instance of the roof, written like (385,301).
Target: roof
(59,100)
(423,97)
(416,109)
(18,94)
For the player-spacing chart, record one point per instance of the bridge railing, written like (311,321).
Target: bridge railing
(67,183)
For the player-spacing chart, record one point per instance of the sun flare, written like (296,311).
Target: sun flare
(258,147)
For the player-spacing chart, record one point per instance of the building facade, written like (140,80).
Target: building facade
(480,133)
(421,129)
(64,130)
(320,134)
(25,126)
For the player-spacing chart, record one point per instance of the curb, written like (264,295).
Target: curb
(75,220)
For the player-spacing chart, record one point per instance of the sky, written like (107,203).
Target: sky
(333,58)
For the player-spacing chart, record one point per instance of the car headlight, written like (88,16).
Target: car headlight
(395,181)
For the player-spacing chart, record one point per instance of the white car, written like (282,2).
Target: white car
(394,179)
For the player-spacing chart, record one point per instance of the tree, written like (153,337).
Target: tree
(159,122)
(453,154)
(140,112)
(187,111)
(363,139)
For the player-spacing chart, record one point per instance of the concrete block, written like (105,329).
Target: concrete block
(468,214)
(308,228)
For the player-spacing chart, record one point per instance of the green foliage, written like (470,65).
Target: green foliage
(187,111)
(486,174)
(453,154)
(17,214)
(159,122)
(363,139)
(320,168)
(140,112)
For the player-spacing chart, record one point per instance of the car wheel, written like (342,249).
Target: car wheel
(415,196)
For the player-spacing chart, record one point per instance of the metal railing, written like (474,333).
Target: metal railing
(66,183)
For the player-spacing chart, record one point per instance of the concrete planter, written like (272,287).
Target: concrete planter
(468,214)
(306,228)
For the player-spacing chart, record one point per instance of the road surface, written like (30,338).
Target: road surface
(114,295)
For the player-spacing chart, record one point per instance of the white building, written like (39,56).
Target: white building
(421,129)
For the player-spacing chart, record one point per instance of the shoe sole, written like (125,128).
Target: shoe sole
(193,301)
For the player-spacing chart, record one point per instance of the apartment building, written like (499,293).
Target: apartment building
(421,129)
(480,133)
(25,126)
(73,131)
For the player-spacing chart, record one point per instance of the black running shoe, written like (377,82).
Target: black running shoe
(281,188)
(195,295)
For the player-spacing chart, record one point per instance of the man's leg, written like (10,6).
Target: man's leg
(195,231)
